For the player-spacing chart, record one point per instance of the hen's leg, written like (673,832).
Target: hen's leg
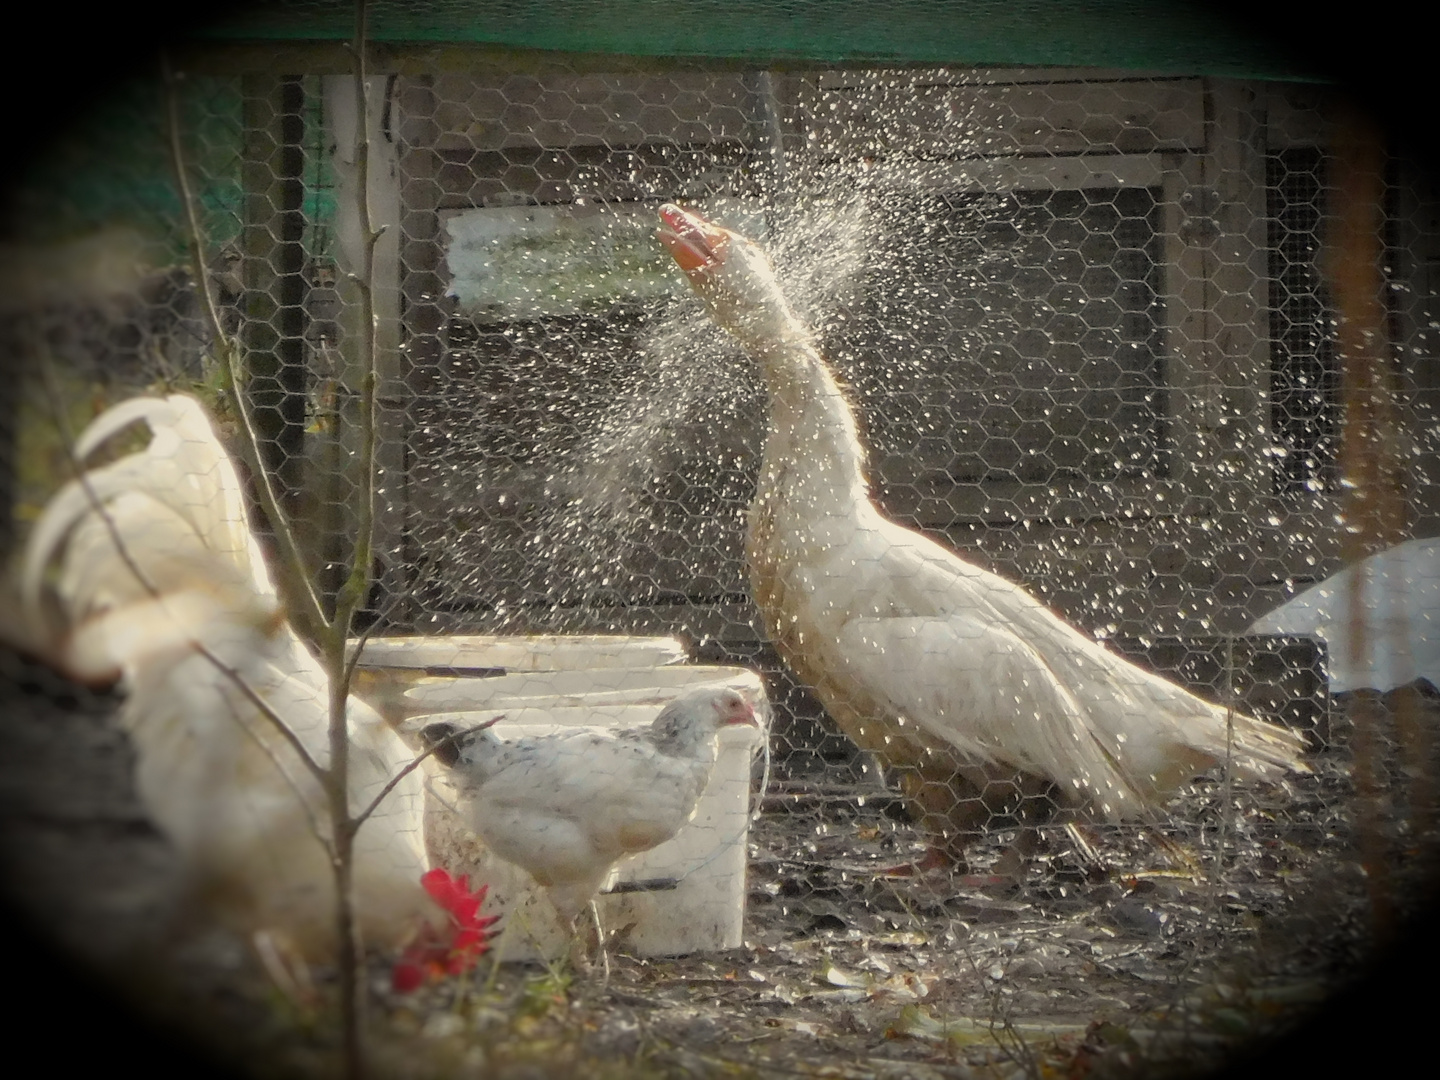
(579,950)
(587,940)
(600,944)
(571,900)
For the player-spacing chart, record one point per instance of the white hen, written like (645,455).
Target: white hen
(566,808)
(169,566)
(973,691)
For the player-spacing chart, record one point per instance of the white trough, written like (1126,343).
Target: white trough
(389,666)
(535,652)
(685,896)
(607,686)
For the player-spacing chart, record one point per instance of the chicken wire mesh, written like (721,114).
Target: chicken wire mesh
(1087,324)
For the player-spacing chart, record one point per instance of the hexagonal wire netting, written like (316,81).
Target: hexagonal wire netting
(1084,321)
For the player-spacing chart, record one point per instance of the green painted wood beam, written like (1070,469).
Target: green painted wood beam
(1162,36)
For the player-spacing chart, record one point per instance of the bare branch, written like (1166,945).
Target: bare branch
(353,658)
(316,769)
(187,204)
(360,818)
(97,506)
(351,958)
(315,827)
(357,584)
(298,585)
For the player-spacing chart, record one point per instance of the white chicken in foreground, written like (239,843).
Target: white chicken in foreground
(566,808)
(220,782)
(964,684)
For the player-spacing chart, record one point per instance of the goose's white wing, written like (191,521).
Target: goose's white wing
(978,663)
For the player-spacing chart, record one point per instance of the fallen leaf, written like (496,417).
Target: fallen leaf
(838,977)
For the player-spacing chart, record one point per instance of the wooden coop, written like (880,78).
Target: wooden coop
(1138,316)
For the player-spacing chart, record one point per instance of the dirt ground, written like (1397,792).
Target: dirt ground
(1135,958)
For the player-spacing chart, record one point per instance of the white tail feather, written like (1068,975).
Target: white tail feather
(161,582)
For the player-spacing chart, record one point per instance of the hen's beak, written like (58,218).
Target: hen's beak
(696,245)
(743,713)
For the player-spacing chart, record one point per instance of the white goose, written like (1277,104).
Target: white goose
(976,694)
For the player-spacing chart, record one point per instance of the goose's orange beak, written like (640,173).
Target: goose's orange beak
(696,245)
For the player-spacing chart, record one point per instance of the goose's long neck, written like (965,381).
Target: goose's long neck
(813,456)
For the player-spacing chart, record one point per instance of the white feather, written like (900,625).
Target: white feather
(912,649)
(227,789)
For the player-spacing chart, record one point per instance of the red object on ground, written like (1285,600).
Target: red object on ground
(436,953)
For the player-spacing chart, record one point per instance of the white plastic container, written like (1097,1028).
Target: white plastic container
(700,905)
(534,652)
(389,666)
(605,686)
